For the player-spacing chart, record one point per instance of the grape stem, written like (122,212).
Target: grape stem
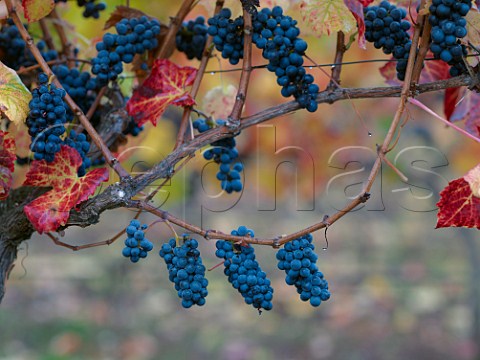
(196,83)
(337,69)
(175,23)
(86,246)
(424,46)
(234,117)
(47,36)
(67,46)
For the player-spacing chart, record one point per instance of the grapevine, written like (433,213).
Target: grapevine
(87,92)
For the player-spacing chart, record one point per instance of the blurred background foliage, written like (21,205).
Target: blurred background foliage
(400,289)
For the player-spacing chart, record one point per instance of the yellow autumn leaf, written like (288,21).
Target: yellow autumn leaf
(218,102)
(14,96)
(473,32)
(473,179)
(327,16)
(37,9)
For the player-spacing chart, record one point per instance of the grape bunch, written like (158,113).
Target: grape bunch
(227,35)
(79,142)
(133,128)
(244,272)
(447,18)
(186,270)
(192,37)
(92,7)
(137,245)
(79,85)
(277,35)
(46,119)
(385,27)
(299,262)
(224,153)
(15,52)
(134,36)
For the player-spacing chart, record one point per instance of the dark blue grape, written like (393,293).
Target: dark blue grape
(137,245)
(192,37)
(391,36)
(299,261)
(448,26)
(244,272)
(123,46)
(79,142)
(224,153)
(186,270)
(14,49)
(276,35)
(46,119)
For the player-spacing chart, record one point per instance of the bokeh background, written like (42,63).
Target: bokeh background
(400,289)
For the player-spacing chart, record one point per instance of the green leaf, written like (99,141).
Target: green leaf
(14,96)
(37,9)
(327,16)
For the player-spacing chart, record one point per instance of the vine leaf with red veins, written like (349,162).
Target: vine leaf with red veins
(432,71)
(14,96)
(7,163)
(37,9)
(164,86)
(327,16)
(460,202)
(356,8)
(466,110)
(52,209)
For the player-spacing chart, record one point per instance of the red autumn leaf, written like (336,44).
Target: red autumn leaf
(460,202)
(466,109)
(356,8)
(164,86)
(365,3)
(7,163)
(37,9)
(434,70)
(452,96)
(389,72)
(52,209)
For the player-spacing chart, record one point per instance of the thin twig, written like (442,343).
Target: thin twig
(67,46)
(50,63)
(47,36)
(445,121)
(196,83)
(234,117)
(393,167)
(337,69)
(86,246)
(175,23)
(424,46)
